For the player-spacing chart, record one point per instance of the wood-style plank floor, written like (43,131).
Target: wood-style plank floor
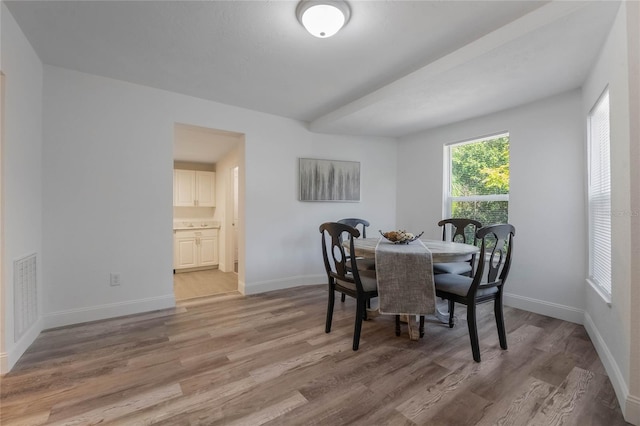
(189,285)
(266,360)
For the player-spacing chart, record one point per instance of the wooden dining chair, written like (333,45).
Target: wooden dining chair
(460,230)
(344,276)
(495,252)
(361,225)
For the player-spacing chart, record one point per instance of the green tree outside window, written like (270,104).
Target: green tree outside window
(479,179)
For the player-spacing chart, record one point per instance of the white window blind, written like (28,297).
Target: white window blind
(600,195)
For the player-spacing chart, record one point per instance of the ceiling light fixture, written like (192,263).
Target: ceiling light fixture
(323,18)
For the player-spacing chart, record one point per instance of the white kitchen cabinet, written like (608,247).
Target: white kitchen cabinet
(194,188)
(185,252)
(208,244)
(205,189)
(195,249)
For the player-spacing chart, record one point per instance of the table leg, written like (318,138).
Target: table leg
(414,333)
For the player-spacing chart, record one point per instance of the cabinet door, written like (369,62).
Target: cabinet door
(206,189)
(185,251)
(184,188)
(209,249)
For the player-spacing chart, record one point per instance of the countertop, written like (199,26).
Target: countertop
(196,224)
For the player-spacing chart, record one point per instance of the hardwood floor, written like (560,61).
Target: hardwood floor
(189,285)
(266,360)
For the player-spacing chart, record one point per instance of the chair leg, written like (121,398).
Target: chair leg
(360,312)
(452,305)
(502,332)
(473,331)
(332,297)
(342,298)
(397,325)
(421,325)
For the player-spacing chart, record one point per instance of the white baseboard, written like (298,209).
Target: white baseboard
(4,363)
(22,345)
(111,310)
(542,307)
(629,404)
(281,283)
(632,410)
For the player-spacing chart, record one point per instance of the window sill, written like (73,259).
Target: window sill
(605,297)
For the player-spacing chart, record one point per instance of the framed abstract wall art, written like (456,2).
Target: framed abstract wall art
(329,180)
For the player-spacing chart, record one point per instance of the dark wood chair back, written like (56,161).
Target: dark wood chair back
(355,222)
(496,246)
(338,264)
(460,231)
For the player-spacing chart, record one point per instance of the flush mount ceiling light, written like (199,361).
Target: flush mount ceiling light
(323,18)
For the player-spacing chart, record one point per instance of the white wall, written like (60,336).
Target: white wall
(546,197)
(21,172)
(282,232)
(108,194)
(610,325)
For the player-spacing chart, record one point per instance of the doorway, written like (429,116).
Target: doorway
(203,267)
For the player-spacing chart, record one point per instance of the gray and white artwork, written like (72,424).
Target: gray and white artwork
(329,180)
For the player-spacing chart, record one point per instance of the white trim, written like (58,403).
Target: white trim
(606,297)
(629,404)
(542,307)
(488,136)
(631,410)
(111,310)
(4,363)
(494,197)
(23,344)
(282,283)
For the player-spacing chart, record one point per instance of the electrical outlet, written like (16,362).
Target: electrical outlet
(115,279)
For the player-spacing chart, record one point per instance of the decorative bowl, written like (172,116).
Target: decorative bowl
(400,236)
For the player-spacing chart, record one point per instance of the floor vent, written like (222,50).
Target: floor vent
(25,306)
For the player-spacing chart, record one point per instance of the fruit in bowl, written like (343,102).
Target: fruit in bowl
(400,236)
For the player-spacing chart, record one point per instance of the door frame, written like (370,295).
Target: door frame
(4,362)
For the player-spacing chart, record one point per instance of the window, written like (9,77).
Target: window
(600,196)
(477,179)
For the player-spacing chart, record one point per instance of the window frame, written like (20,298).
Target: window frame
(603,289)
(447,198)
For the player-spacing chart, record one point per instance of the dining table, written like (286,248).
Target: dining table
(441,251)
(438,252)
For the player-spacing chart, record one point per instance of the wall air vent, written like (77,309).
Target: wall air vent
(25,295)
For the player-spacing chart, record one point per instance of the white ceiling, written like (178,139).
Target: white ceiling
(396,68)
